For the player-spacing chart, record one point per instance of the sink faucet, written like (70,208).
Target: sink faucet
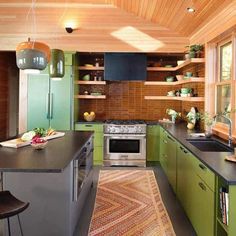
(230,126)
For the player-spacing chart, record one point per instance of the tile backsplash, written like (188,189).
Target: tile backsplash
(125,100)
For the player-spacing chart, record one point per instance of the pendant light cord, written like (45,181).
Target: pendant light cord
(31,12)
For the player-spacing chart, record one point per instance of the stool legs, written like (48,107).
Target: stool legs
(9,229)
(20,225)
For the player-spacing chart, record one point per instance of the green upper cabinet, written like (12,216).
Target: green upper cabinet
(153,143)
(50,102)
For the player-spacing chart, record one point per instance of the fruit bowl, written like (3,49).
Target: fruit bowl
(89,117)
(39,146)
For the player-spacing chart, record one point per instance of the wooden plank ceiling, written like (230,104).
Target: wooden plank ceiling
(105,25)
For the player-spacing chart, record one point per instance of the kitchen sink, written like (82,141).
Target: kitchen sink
(209,145)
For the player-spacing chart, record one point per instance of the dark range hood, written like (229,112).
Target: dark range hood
(125,66)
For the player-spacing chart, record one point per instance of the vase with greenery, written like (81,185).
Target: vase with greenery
(192,117)
(209,121)
(174,114)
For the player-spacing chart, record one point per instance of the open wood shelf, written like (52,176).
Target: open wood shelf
(90,82)
(187,99)
(187,62)
(184,81)
(224,226)
(90,96)
(91,67)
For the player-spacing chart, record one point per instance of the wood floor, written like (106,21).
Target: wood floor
(180,222)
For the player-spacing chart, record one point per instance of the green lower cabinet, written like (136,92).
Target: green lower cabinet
(171,161)
(197,199)
(98,140)
(168,156)
(202,205)
(184,176)
(153,143)
(98,156)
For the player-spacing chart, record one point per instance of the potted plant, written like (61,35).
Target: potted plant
(192,118)
(195,50)
(174,114)
(209,121)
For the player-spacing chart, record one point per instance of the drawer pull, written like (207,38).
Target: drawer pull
(88,125)
(202,167)
(202,186)
(183,150)
(170,138)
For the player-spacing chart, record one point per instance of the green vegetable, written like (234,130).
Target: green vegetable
(40,131)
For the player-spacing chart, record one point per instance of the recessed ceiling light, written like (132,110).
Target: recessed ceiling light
(190,9)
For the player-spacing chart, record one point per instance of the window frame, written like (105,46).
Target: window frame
(213,65)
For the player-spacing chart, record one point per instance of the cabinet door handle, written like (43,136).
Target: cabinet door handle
(48,106)
(202,186)
(202,167)
(170,138)
(183,150)
(51,106)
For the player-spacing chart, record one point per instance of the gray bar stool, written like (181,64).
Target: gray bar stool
(11,206)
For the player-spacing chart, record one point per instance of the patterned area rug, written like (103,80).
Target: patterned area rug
(128,202)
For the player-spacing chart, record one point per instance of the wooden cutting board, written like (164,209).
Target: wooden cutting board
(17,143)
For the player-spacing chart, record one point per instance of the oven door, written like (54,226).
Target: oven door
(124,147)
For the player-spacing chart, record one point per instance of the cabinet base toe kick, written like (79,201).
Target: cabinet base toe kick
(131,163)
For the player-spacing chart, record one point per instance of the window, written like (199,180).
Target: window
(221,82)
(224,79)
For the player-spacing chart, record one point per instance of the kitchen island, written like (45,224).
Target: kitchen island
(46,178)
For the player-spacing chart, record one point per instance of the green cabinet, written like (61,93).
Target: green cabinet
(98,140)
(171,161)
(163,149)
(168,156)
(153,143)
(194,193)
(50,101)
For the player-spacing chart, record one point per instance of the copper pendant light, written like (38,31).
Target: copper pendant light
(32,56)
(57,64)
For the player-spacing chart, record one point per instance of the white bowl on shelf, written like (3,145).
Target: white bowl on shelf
(179,77)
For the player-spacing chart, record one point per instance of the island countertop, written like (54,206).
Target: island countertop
(55,157)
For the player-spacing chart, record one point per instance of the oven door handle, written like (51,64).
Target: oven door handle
(124,135)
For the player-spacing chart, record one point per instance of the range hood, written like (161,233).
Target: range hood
(125,66)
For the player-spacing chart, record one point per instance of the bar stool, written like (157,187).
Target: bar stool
(11,206)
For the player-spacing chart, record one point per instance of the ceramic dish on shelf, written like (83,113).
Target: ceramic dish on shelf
(86,77)
(168,66)
(180,62)
(169,78)
(179,77)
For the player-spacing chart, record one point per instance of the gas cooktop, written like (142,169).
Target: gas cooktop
(125,122)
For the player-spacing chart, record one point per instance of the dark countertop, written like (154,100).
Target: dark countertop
(55,157)
(214,160)
(90,122)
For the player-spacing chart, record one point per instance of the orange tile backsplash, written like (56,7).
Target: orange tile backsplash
(125,100)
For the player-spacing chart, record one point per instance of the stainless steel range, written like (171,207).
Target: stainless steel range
(125,143)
